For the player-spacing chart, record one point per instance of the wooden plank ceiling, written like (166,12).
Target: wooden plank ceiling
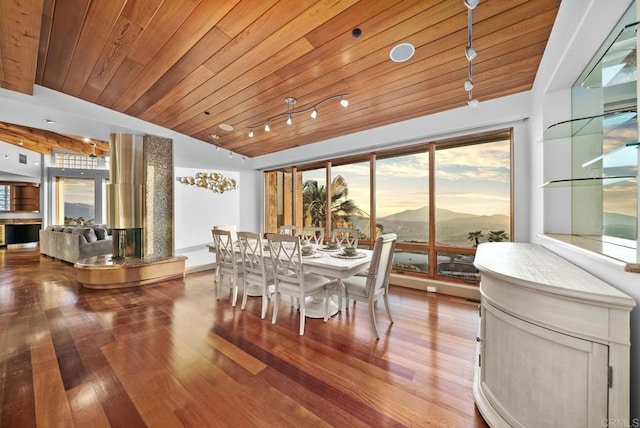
(193,65)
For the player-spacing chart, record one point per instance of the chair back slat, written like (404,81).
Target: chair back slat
(315,235)
(286,257)
(251,251)
(345,236)
(225,253)
(289,229)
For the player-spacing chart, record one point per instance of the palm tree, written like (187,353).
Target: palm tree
(497,236)
(475,237)
(313,201)
(342,208)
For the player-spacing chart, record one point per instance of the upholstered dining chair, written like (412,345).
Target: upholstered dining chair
(290,279)
(375,284)
(289,229)
(345,236)
(257,271)
(228,263)
(315,235)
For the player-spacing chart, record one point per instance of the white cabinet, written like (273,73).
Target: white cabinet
(553,345)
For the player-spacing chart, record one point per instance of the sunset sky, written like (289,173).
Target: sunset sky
(471,179)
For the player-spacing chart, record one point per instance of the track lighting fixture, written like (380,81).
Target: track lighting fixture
(470,53)
(468,85)
(292,111)
(471,4)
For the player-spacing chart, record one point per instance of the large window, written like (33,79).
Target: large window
(441,198)
(76,201)
(472,193)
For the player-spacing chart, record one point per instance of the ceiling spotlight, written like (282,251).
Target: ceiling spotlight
(93,151)
(473,103)
(343,102)
(471,4)
(314,113)
(86,139)
(289,120)
(49,121)
(217,148)
(251,133)
(470,53)
(230,155)
(214,136)
(468,85)
(267,128)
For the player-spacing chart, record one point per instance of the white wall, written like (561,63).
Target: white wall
(580,29)
(12,170)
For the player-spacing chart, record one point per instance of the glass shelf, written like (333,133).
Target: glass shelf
(587,181)
(589,125)
(622,156)
(618,65)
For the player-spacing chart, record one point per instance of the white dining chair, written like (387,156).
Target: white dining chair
(229,227)
(228,263)
(289,229)
(257,271)
(314,235)
(290,279)
(375,284)
(345,236)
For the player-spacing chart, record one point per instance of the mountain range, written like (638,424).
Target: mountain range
(76,210)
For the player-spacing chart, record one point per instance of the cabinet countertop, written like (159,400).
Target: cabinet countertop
(533,266)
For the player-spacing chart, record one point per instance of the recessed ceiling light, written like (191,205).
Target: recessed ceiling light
(226,127)
(402,52)
(86,139)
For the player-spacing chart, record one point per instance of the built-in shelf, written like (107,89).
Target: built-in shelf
(623,156)
(618,65)
(588,181)
(590,125)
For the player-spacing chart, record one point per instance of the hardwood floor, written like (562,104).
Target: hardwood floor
(169,354)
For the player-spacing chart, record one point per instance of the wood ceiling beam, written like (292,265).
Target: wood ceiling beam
(45,142)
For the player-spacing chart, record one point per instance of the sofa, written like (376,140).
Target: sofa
(73,243)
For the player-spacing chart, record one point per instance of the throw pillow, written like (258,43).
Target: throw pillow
(101,233)
(89,235)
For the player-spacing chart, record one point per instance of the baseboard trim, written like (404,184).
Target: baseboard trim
(471,292)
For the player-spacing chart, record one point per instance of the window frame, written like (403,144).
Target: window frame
(429,146)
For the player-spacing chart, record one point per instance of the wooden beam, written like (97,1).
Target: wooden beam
(42,141)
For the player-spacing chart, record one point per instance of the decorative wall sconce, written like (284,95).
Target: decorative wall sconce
(213,181)
(291,111)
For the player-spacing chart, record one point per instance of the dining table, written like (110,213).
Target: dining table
(330,263)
